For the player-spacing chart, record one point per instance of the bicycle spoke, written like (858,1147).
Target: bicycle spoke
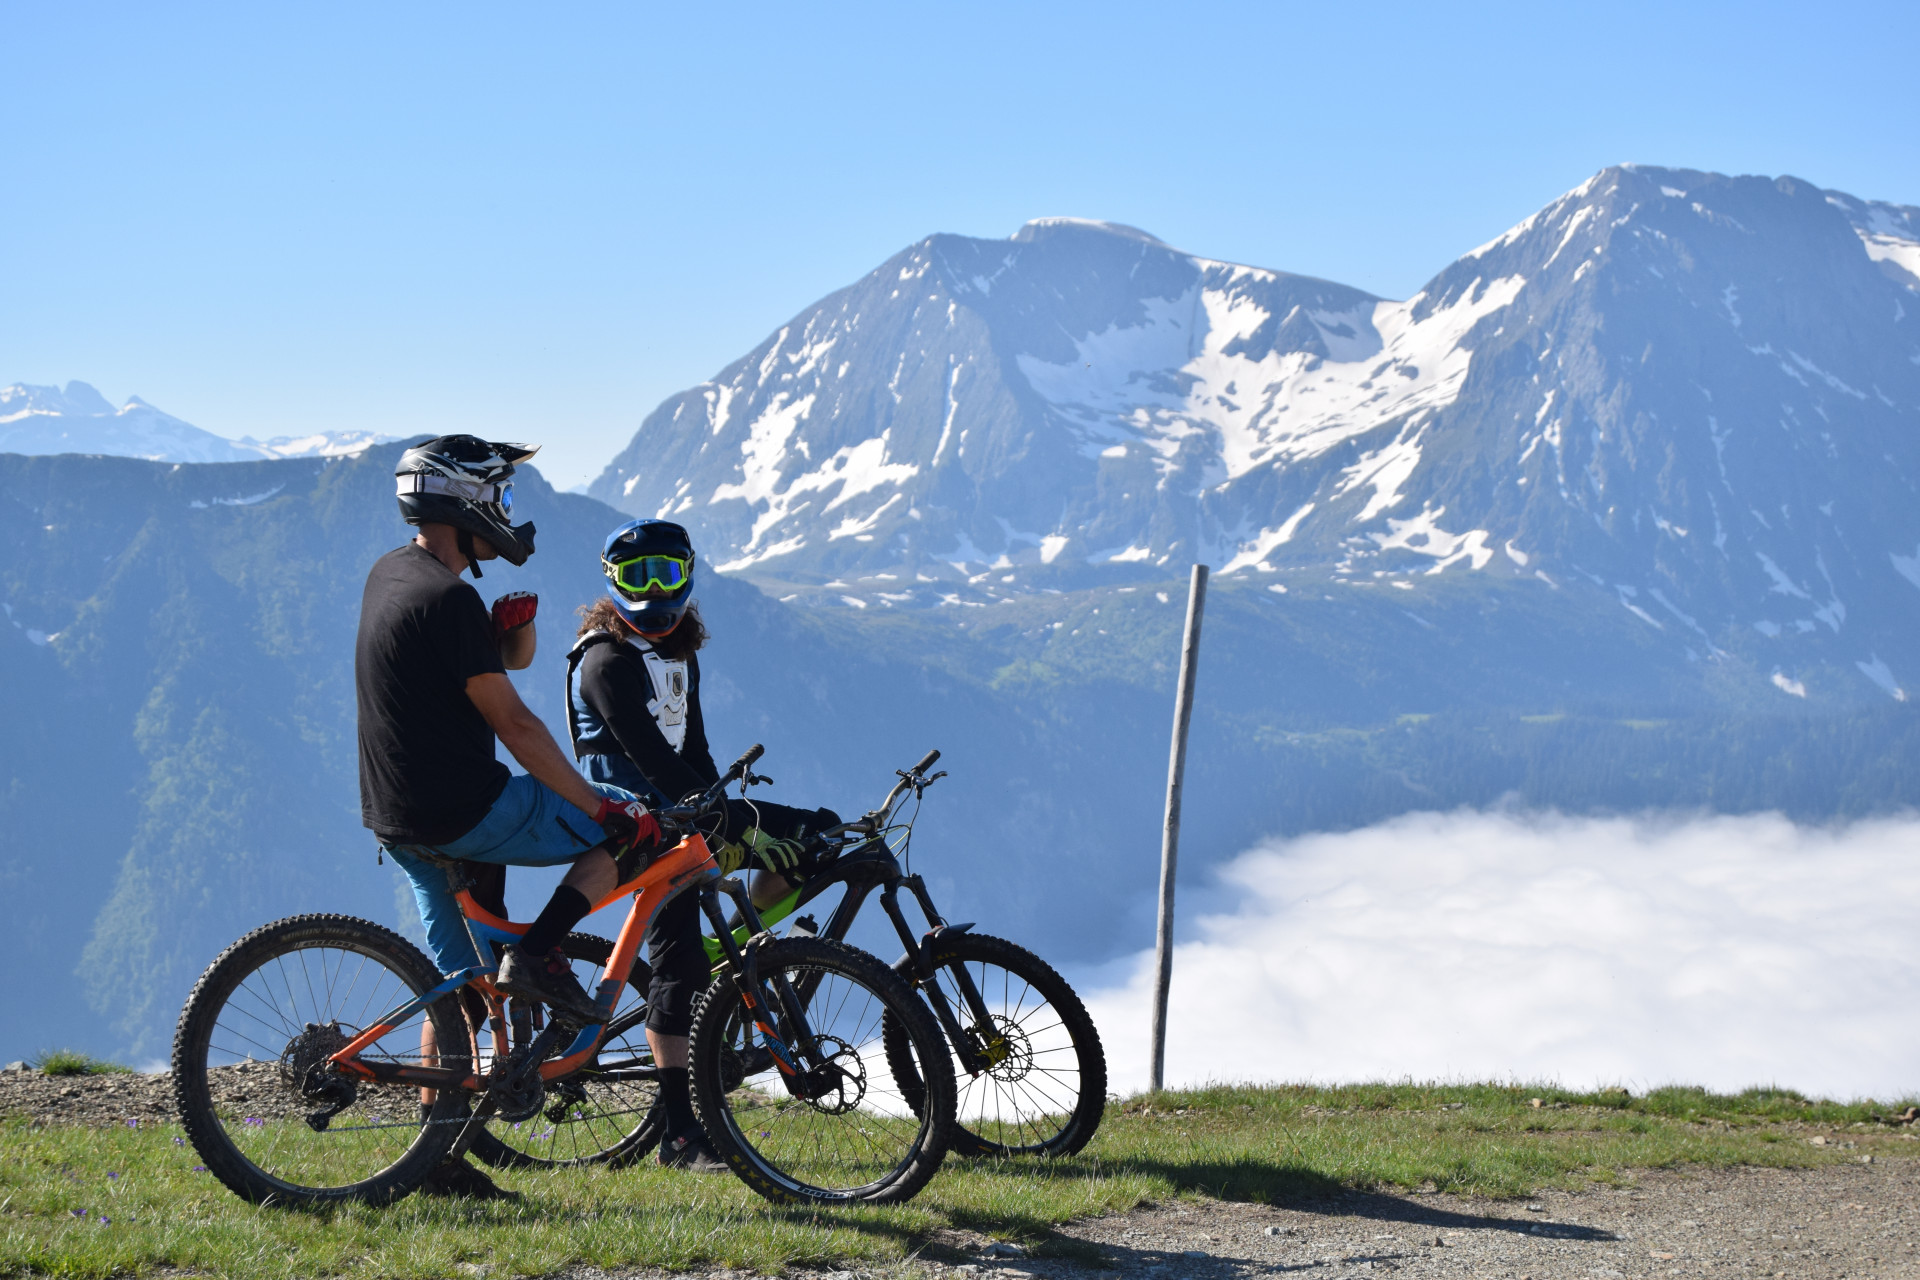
(258,1032)
(853,1135)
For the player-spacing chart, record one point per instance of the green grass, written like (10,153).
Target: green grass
(71,1062)
(79,1202)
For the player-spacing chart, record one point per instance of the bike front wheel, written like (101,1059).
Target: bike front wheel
(250,1078)
(604,1113)
(1044,1089)
(831,1125)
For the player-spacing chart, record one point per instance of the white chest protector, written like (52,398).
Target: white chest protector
(668,706)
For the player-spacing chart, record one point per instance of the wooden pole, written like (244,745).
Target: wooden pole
(1170,833)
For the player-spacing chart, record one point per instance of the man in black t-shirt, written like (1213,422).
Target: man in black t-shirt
(430,680)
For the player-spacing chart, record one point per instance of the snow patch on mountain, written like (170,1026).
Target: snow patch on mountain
(1185,370)
(78,419)
(1890,233)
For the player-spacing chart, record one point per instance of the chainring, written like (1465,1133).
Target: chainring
(522,1101)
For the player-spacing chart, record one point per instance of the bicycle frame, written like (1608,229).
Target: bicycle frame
(688,867)
(868,867)
(688,863)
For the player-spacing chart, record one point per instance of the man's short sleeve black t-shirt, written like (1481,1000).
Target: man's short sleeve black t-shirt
(427,768)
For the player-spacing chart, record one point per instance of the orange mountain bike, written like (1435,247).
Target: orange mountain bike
(301,1053)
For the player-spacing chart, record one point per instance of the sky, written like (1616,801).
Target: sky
(1542,949)
(535,223)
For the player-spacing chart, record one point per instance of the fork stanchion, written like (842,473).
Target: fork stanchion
(1170,833)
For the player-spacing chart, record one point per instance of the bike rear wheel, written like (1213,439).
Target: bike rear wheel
(589,1118)
(1046,1088)
(856,1137)
(248,1073)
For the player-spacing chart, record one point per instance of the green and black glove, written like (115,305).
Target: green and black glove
(775,855)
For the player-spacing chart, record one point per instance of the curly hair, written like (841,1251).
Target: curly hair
(688,637)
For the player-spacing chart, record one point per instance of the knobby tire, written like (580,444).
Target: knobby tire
(730,1082)
(1067,1102)
(228,979)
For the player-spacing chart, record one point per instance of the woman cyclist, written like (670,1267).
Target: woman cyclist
(633,694)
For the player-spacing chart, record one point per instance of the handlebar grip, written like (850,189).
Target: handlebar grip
(926,763)
(745,762)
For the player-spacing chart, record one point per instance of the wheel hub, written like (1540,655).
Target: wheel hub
(1008,1053)
(838,1083)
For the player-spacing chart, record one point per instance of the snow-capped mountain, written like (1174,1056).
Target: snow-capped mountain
(78,419)
(1697,394)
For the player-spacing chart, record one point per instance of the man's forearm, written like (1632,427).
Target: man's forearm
(540,756)
(517,648)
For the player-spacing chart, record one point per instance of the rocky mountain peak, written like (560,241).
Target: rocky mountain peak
(1041,228)
(1694,393)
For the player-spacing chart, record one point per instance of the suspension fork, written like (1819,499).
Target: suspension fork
(744,970)
(965,1047)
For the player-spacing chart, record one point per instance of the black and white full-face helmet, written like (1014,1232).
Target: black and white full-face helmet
(466,482)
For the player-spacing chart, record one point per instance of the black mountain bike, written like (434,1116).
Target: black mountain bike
(1032,1072)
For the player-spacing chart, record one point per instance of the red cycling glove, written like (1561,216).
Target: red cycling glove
(627,824)
(514,610)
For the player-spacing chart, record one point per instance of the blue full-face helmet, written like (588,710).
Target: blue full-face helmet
(649,568)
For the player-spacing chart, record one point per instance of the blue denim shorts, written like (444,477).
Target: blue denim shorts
(528,826)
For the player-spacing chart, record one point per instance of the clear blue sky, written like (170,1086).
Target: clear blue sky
(537,221)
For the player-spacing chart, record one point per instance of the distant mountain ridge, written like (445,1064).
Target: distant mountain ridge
(181,762)
(1696,395)
(78,419)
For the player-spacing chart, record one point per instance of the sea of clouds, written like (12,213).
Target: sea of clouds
(1723,951)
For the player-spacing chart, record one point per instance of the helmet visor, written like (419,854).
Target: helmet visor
(650,573)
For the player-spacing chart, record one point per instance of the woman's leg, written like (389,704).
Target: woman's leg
(680,971)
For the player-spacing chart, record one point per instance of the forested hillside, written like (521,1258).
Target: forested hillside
(180,765)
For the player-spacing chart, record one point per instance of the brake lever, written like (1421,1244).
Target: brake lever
(679,816)
(752,779)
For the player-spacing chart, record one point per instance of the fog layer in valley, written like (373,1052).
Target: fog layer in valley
(1724,951)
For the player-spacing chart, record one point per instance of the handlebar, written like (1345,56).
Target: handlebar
(874,820)
(681,816)
(745,762)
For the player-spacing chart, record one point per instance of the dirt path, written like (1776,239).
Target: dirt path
(1856,1220)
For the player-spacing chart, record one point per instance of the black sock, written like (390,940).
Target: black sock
(567,908)
(677,1101)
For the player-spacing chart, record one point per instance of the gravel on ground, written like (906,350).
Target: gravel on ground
(116,1098)
(1851,1220)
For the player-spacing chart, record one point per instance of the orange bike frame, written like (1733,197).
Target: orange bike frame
(684,864)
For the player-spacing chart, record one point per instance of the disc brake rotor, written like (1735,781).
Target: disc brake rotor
(1006,1048)
(839,1082)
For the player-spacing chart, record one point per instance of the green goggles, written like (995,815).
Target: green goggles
(648,573)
